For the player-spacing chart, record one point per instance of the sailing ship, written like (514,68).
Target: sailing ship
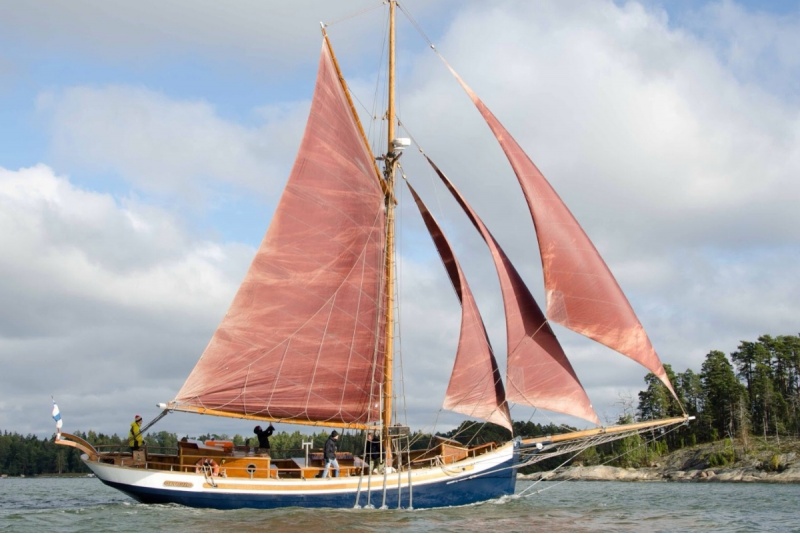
(309,338)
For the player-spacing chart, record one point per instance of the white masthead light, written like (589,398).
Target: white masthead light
(400,143)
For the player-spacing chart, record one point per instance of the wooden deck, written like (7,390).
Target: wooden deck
(223,459)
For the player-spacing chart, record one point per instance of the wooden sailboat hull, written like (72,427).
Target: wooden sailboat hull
(472,480)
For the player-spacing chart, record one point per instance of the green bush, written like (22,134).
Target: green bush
(774,463)
(721,458)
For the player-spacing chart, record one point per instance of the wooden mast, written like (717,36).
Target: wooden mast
(390,162)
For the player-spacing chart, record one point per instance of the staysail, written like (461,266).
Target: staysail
(303,339)
(475,387)
(538,372)
(582,294)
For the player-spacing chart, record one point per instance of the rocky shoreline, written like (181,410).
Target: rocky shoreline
(655,474)
(694,465)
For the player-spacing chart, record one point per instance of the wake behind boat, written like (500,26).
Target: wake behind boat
(309,338)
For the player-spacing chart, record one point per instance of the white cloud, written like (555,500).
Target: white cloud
(268,36)
(183,149)
(101,298)
(632,121)
(683,172)
(679,162)
(753,43)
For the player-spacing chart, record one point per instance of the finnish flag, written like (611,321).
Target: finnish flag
(57,417)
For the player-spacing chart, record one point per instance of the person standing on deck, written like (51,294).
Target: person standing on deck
(330,455)
(263,436)
(372,451)
(135,439)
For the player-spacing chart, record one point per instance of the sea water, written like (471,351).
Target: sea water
(86,505)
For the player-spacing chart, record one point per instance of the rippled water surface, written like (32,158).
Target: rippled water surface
(86,505)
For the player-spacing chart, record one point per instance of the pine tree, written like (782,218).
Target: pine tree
(723,394)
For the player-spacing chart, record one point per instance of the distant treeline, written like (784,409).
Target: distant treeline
(754,392)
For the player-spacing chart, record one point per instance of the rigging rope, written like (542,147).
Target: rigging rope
(416,25)
(592,443)
(154,421)
(208,474)
(351,16)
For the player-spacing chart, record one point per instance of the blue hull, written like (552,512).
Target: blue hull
(452,492)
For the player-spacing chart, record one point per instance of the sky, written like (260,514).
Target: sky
(144,146)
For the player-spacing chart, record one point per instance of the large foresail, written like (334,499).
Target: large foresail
(302,340)
(475,387)
(582,294)
(538,372)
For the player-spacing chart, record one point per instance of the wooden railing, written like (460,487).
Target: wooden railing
(226,460)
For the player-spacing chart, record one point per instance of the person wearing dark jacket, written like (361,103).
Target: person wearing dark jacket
(330,455)
(263,436)
(372,450)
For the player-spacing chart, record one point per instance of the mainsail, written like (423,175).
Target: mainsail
(475,387)
(538,372)
(303,338)
(582,294)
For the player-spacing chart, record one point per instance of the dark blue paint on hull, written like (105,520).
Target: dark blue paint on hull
(467,491)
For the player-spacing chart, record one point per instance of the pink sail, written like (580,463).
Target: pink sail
(303,338)
(582,294)
(538,372)
(475,387)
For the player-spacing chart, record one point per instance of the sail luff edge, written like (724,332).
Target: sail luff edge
(353,112)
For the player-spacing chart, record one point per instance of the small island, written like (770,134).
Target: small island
(766,460)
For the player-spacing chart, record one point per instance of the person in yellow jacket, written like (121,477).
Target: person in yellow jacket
(135,439)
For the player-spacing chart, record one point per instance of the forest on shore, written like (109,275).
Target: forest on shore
(752,393)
